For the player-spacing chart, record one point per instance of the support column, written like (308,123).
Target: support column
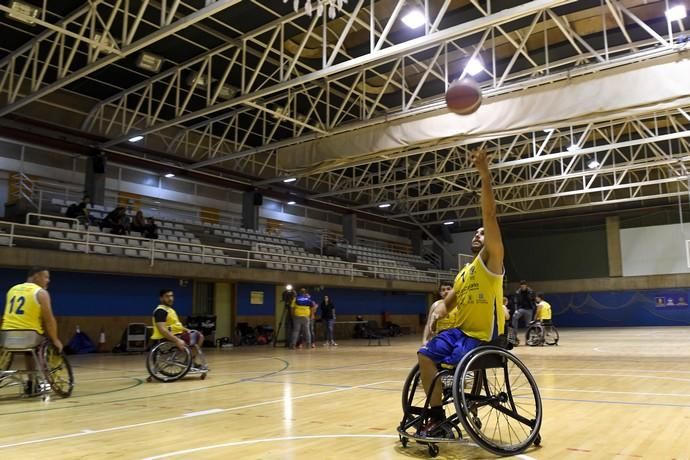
(94,179)
(251,201)
(222,308)
(350,228)
(416,240)
(613,244)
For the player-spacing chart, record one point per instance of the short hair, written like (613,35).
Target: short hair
(540,294)
(523,282)
(303,290)
(35,270)
(445,283)
(164,291)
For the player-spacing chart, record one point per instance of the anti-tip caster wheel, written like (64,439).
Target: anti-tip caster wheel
(433,450)
(149,379)
(203,376)
(403,441)
(537,440)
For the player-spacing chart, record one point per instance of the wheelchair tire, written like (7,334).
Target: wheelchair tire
(57,371)
(551,335)
(413,378)
(472,406)
(534,336)
(179,362)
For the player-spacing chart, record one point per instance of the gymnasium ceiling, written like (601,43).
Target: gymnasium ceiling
(256,92)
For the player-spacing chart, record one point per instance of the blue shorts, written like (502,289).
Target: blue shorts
(449,347)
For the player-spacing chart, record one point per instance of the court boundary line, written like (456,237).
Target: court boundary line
(86,432)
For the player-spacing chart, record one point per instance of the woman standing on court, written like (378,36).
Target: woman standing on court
(328,316)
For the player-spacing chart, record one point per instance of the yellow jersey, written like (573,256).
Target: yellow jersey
(172,323)
(22,310)
(479,295)
(301,306)
(543,311)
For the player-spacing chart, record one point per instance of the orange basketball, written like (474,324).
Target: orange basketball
(464,97)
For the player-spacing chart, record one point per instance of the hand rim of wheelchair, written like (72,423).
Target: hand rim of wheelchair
(61,387)
(153,366)
(534,336)
(461,401)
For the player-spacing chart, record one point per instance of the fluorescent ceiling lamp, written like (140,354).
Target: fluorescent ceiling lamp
(105,44)
(414,19)
(150,62)
(549,130)
(227,92)
(450,222)
(573,148)
(169,175)
(199,80)
(136,138)
(594,164)
(676,13)
(23,12)
(289,179)
(474,67)
(384,205)
(292,202)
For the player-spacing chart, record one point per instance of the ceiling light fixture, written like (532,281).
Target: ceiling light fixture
(414,19)
(384,205)
(676,13)
(291,202)
(149,61)
(450,222)
(169,175)
(594,164)
(136,138)
(319,7)
(573,148)
(289,180)
(23,12)
(474,66)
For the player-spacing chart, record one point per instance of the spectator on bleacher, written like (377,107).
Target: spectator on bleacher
(145,226)
(328,317)
(115,221)
(80,211)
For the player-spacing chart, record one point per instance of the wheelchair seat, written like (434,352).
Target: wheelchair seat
(20,340)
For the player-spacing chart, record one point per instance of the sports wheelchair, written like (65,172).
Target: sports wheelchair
(540,333)
(52,370)
(166,363)
(490,393)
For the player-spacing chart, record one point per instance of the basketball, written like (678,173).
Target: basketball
(464,97)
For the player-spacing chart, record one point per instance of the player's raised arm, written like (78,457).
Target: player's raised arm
(493,243)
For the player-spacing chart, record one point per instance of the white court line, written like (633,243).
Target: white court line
(637,393)
(203,412)
(292,438)
(632,376)
(86,432)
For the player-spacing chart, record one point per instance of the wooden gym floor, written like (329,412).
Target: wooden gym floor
(608,393)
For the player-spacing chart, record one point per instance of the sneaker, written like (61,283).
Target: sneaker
(334,344)
(313,345)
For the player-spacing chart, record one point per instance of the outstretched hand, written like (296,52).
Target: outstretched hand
(480,160)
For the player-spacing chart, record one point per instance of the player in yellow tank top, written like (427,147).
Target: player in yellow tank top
(167,325)
(474,304)
(28,307)
(434,324)
(543,308)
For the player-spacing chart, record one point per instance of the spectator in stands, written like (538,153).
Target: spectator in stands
(328,317)
(80,211)
(524,305)
(151,230)
(301,311)
(145,226)
(115,221)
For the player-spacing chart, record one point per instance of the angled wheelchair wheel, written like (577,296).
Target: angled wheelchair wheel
(166,363)
(534,336)
(57,371)
(551,335)
(503,411)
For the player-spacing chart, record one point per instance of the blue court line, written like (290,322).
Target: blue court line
(592,401)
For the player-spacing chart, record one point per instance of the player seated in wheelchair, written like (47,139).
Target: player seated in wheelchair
(167,326)
(543,310)
(473,309)
(28,308)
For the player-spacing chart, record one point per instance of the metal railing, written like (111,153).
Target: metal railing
(156,250)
